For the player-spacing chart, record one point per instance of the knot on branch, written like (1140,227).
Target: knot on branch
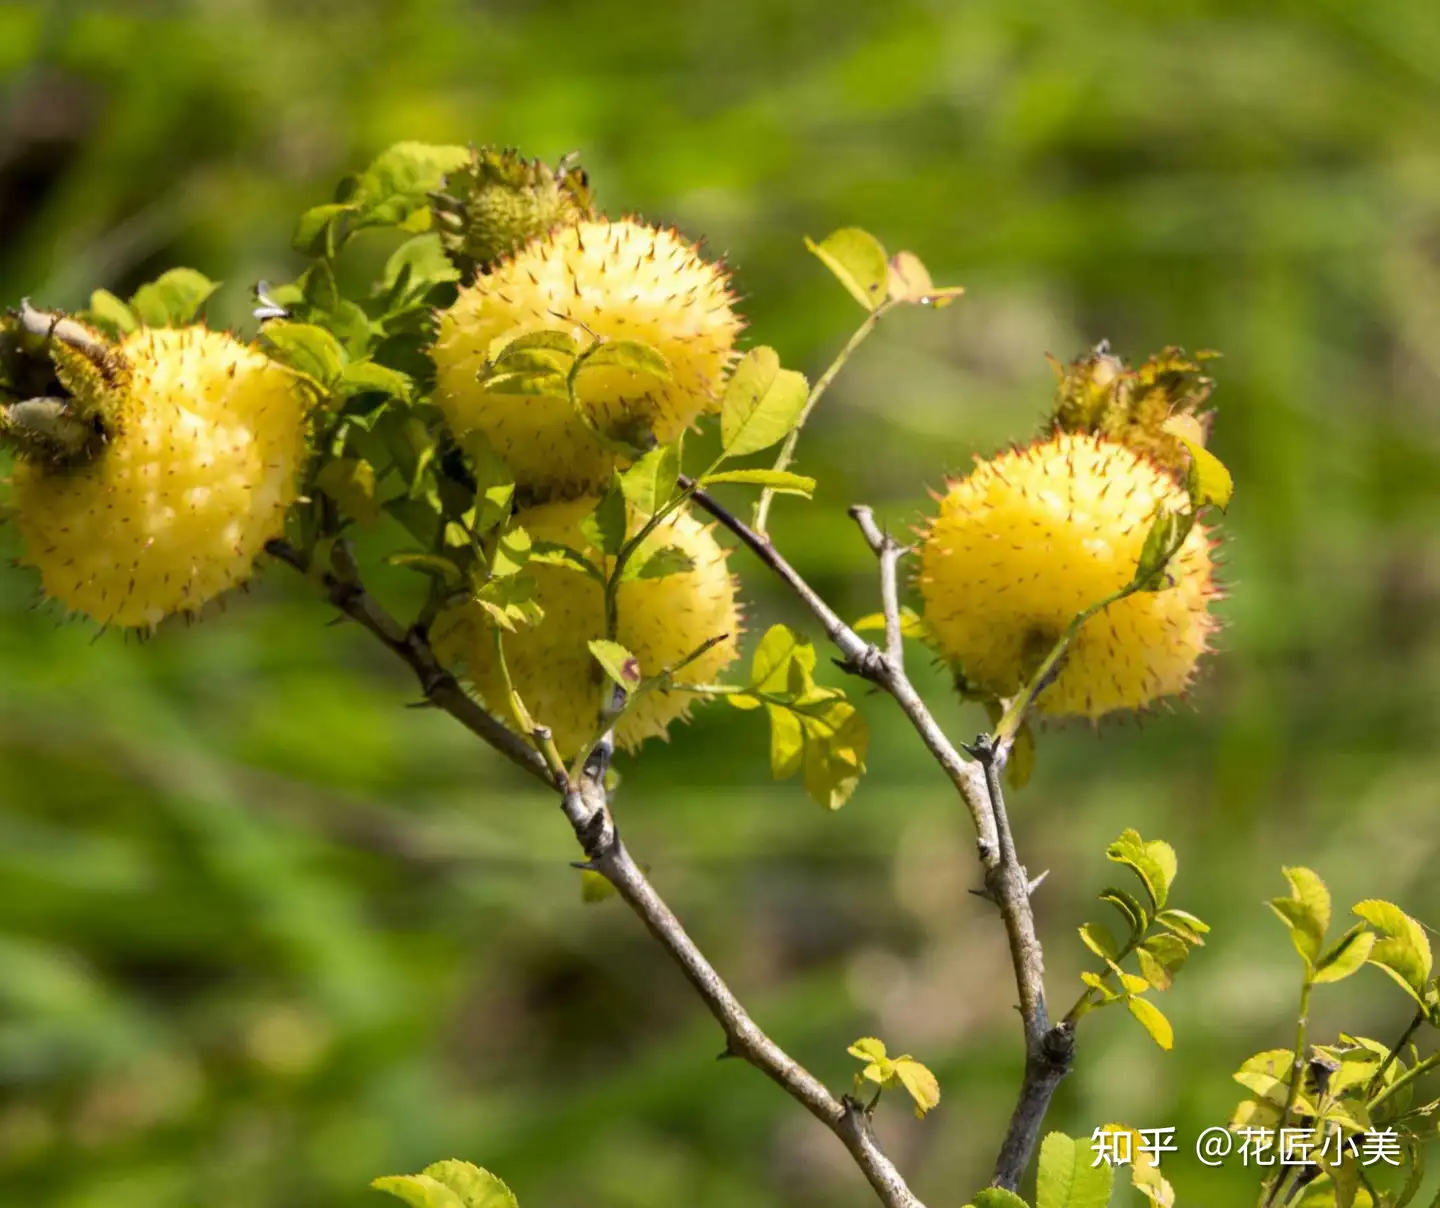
(1057,1049)
(870,663)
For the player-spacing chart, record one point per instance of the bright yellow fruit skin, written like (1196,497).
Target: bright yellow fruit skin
(618,280)
(660,622)
(178,503)
(1035,536)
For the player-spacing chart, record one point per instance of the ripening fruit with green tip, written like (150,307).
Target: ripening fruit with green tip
(199,443)
(661,622)
(618,280)
(1036,535)
(500,201)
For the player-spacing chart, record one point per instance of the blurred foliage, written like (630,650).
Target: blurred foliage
(266,935)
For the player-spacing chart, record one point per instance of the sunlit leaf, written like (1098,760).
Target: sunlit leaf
(650,482)
(1403,949)
(350,482)
(617,662)
(920,1083)
(781,481)
(762,403)
(449,1184)
(1153,1020)
(858,261)
(1210,481)
(174,299)
(1345,955)
(1069,1177)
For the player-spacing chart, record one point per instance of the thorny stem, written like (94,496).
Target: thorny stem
(1379,1079)
(1049,1051)
(1417,1070)
(585,807)
(1297,1064)
(822,384)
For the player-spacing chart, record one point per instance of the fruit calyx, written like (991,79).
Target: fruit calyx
(62,387)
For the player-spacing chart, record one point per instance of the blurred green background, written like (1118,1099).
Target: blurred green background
(266,934)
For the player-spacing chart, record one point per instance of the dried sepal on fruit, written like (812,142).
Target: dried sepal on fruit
(1102,395)
(619,281)
(662,620)
(192,452)
(500,201)
(1035,536)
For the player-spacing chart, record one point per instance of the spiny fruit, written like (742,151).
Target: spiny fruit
(661,621)
(500,201)
(1035,536)
(608,280)
(198,440)
(1099,393)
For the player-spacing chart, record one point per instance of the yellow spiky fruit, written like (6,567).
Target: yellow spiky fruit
(1033,537)
(661,621)
(202,444)
(613,280)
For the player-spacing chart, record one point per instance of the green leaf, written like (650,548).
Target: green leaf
(920,1084)
(510,602)
(1209,480)
(1128,905)
(650,482)
(604,528)
(997,1197)
(1153,1020)
(107,312)
(303,346)
(594,887)
(835,748)
(1097,938)
(1020,763)
(427,564)
(1306,912)
(1267,1074)
(1154,863)
(415,268)
(617,662)
(868,1048)
(1167,531)
(1068,1176)
(858,261)
(449,1184)
(350,482)
(631,355)
(395,188)
(762,403)
(912,624)
(1184,924)
(512,552)
(659,564)
(781,481)
(366,377)
(1345,955)
(1160,957)
(316,233)
(1403,950)
(173,299)
(552,553)
(787,742)
(781,646)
